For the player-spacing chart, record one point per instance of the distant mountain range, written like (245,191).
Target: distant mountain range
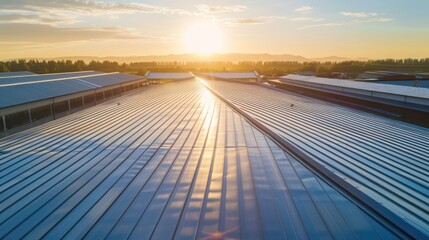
(232,57)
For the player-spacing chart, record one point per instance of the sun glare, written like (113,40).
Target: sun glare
(203,38)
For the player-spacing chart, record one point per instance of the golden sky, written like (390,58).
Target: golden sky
(310,28)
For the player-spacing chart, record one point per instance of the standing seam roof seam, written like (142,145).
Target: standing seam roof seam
(362,198)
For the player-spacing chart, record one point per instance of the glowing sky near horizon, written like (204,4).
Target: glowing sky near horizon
(310,28)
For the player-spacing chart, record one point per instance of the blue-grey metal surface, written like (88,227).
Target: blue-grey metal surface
(172,161)
(37,89)
(386,159)
(4,75)
(41,77)
(368,87)
(410,83)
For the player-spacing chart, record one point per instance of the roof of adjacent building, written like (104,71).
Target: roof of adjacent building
(231,75)
(368,86)
(409,83)
(174,161)
(19,90)
(424,76)
(368,75)
(11,74)
(169,75)
(385,159)
(28,79)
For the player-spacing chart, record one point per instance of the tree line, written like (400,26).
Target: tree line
(272,68)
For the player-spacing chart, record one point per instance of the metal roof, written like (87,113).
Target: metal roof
(12,74)
(172,161)
(385,159)
(44,87)
(379,75)
(231,75)
(169,75)
(368,86)
(410,83)
(44,77)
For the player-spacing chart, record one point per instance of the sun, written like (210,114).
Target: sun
(204,38)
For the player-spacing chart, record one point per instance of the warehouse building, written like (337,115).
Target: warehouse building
(28,100)
(207,159)
(404,103)
(376,158)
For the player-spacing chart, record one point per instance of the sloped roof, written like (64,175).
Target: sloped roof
(385,159)
(45,77)
(368,86)
(410,83)
(15,91)
(12,74)
(172,162)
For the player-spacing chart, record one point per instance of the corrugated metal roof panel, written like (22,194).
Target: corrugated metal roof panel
(42,77)
(4,75)
(384,158)
(169,75)
(171,162)
(410,83)
(38,89)
(10,96)
(369,86)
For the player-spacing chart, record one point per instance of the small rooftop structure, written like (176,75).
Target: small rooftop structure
(306,73)
(163,77)
(230,76)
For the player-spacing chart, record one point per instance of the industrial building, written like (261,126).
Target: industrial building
(364,152)
(404,103)
(203,159)
(27,100)
(420,80)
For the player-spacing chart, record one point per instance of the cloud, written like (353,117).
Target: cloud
(254,20)
(204,8)
(302,19)
(85,7)
(40,33)
(359,14)
(342,23)
(304,9)
(24,18)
